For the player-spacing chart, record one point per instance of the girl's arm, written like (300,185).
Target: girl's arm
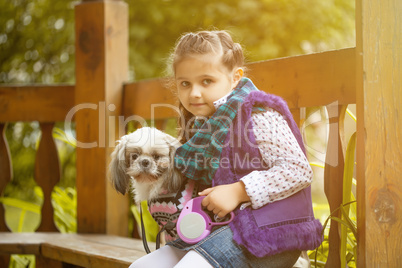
(288,169)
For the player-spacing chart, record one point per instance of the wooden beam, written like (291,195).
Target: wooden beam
(379,146)
(41,103)
(308,80)
(315,79)
(101,69)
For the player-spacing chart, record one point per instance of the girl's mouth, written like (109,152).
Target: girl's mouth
(197,104)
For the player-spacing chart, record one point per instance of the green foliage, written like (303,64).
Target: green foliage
(22,216)
(64,203)
(37,37)
(22,261)
(266,28)
(23,141)
(36,41)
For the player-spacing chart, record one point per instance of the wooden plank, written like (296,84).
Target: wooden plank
(90,253)
(147,98)
(101,69)
(22,243)
(308,80)
(84,250)
(360,143)
(112,240)
(43,103)
(379,152)
(42,262)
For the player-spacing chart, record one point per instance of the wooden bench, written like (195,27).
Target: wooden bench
(367,75)
(83,250)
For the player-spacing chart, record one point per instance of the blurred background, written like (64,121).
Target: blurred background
(37,46)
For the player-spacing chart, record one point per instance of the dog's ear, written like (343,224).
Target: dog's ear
(175,178)
(172,142)
(119,178)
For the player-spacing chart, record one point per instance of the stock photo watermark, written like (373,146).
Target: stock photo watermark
(108,134)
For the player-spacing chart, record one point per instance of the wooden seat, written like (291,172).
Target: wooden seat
(86,250)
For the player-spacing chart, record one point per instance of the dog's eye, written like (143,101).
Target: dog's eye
(156,157)
(134,156)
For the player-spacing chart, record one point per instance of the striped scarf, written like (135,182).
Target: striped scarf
(198,159)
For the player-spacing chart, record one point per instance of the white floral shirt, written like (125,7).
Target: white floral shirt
(288,169)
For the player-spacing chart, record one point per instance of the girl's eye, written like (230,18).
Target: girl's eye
(206,82)
(134,156)
(184,84)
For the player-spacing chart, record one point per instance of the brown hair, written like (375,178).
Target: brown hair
(199,43)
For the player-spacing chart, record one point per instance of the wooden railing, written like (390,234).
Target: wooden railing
(303,81)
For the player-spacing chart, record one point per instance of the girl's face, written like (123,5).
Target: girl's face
(203,79)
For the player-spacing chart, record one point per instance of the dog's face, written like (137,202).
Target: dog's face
(144,159)
(147,163)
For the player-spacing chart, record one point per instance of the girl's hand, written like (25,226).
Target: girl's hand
(223,199)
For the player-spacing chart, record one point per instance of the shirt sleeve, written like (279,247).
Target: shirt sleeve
(289,170)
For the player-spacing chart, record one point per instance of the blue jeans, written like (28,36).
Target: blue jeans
(220,250)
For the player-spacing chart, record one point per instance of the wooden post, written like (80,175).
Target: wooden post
(47,175)
(333,176)
(5,178)
(379,128)
(101,69)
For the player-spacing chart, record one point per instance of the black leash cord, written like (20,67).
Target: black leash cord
(144,239)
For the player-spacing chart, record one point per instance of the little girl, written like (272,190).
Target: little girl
(244,147)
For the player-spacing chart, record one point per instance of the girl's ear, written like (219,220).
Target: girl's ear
(237,75)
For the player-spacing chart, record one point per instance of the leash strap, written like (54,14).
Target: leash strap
(144,238)
(168,226)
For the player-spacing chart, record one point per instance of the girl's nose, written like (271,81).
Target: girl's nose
(195,92)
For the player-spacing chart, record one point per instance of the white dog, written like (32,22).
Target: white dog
(144,159)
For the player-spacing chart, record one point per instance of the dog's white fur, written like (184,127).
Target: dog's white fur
(144,159)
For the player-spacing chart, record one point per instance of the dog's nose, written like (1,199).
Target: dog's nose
(145,163)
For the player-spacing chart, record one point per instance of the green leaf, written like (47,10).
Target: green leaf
(14,202)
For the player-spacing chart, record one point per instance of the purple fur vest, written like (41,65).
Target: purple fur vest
(283,225)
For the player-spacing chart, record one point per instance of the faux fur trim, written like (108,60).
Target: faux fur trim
(265,241)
